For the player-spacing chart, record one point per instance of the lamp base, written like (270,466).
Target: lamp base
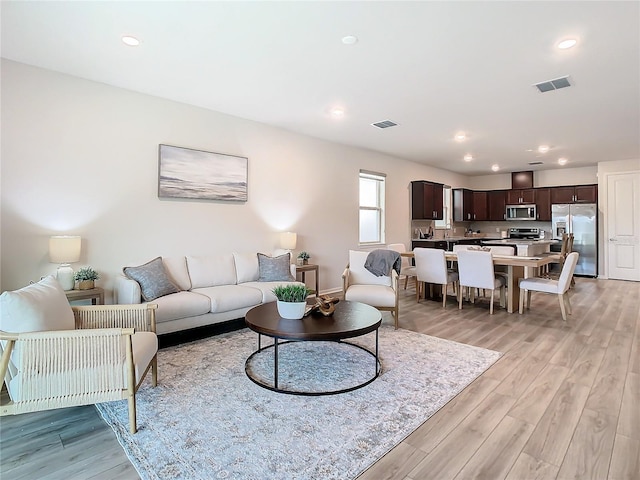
(65,277)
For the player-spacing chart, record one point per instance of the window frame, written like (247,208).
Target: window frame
(380,207)
(447,210)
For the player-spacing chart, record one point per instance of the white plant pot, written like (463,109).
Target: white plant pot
(291,310)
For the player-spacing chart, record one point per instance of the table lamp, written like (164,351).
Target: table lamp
(64,249)
(287,243)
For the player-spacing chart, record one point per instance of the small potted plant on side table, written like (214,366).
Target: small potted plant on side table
(86,278)
(292,300)
(303,258)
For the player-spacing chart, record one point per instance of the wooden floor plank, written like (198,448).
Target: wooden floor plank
(625,462)
(629,420)
(527,467)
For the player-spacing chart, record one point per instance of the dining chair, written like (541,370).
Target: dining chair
(475,269)
(431,267)
(406,269)
(547,285)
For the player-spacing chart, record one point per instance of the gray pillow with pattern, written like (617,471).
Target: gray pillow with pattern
(152,278)
(275,269)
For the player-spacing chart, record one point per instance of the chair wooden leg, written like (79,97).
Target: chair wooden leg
(491,304)
(460,298)
(528,299)
(568,302)
(154,371)
(444,295)
(406,280)
(522,294)
(418,287)
(562,307)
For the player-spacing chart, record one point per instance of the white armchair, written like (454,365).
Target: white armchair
(55,355)
(360,285)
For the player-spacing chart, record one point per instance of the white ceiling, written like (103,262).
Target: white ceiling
(435,68)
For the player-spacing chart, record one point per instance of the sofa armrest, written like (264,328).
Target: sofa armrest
(292,267)
(126,291)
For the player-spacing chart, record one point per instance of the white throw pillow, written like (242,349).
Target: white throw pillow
(37,307)
(246,267)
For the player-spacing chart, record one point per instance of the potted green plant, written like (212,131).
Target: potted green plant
(303,258)
(86,278)
(292,300)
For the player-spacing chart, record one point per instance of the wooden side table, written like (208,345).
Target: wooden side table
(310,267)
(96,295)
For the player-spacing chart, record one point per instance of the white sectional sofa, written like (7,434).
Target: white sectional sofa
(209,289)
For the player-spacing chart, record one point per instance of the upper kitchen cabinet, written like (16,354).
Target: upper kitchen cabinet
(543,204)
(575,194)
(462,205)
(480,206)
(521,196)
(426,200)
(497,202)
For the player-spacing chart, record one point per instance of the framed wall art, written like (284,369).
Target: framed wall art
(196,174)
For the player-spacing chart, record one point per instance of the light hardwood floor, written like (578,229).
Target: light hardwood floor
(563,401)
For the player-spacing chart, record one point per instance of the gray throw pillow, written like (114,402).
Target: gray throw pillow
(153,279)
(275,269)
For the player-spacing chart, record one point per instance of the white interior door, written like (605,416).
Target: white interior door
(623,226)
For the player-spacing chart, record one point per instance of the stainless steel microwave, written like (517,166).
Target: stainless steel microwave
(521,212)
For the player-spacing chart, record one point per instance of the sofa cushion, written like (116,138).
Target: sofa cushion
(211,271)
(358,275)
(180,305)
(230,297)
(178,272)
(153,279)
(266,289)
(37,307)
(247,268)
(274,269)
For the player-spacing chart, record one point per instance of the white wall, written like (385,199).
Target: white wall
(81,157)
(541,178)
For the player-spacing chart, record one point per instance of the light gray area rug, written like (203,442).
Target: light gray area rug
(207,420)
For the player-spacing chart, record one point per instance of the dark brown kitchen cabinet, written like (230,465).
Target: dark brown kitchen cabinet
(426,200)
(497,200)
(480,206)
(543,204)
(524,196)
(575,194)
(462,205)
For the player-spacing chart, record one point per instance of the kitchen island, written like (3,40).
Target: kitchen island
(524,248)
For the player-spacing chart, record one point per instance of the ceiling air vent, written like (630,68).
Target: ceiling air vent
(555,84)
(384,124)
(536,163)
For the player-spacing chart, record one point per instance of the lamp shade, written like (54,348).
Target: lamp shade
(288,240)
(64,249)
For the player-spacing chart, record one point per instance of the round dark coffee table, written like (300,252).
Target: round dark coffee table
(350,319)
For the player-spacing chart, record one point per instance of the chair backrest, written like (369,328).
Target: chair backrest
(431,265)
(358,275)
(400,248)
(475,268)
(568,268)
(570,244)
(505,251)
(565,243)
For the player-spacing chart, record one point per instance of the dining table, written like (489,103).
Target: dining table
(515,271)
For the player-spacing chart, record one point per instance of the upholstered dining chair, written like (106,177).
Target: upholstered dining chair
(475,269)
(406,269)
(55,355)
(559,287)
(360,285)
(431,267)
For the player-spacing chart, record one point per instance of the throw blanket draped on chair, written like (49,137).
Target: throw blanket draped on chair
(381,261)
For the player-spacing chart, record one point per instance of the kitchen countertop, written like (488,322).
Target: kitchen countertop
(516,241)
(453,239)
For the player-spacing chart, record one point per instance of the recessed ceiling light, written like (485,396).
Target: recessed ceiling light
(460,137)
(543,148)
(468,157)
(337,112)
(495,167)
(349,40)
(567,43)
(562,161)
(131,41)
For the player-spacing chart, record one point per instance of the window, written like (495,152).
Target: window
(445,223)
(371,207)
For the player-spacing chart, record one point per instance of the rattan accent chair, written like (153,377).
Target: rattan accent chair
(105,358)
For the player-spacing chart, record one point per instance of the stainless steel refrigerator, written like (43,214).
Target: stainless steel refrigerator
(581,219)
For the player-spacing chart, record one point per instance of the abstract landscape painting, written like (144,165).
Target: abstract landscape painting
(188,173)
